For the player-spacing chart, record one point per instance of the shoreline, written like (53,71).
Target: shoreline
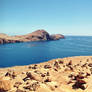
(53,76)
(47,61)
(38,35)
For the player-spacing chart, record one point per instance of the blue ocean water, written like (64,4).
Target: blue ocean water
(34,52)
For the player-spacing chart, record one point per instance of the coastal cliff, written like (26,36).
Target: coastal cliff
(72,74)
(39,35)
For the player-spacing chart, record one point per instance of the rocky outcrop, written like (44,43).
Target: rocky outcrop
(1,41)
(5,40)
(39,35)
(57,37)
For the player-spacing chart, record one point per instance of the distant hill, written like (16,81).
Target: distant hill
(38,35)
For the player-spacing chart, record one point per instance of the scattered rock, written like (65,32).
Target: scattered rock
(47,80)
(32,76)
(29,76)
(32,87)
(79,84)
(33,67)
(57,75)
(47,66)
(78,81)
(11,74)
(61,62)
(70,63)
(42,75)
(90,64)
(47,74)
(56,64)
(17,84)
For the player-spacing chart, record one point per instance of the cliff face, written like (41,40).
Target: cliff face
(39,35)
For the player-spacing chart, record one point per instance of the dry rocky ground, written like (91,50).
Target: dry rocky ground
(72,74)
(38,35)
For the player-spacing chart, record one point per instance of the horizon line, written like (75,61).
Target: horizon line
(56,33)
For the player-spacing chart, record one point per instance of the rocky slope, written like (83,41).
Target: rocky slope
(72,74)
(39,35)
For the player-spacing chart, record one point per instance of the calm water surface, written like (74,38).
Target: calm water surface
(35,52)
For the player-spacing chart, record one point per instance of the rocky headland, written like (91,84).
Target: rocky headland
(72,74)
(39,35)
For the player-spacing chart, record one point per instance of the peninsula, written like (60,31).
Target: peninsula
(39,35)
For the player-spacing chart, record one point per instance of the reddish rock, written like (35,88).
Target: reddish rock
(39,35)
(47,66)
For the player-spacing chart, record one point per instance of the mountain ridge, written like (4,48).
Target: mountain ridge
(38,35)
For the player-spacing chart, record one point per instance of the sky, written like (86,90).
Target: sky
(68,17)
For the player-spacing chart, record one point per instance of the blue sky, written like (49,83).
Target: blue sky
(68,17)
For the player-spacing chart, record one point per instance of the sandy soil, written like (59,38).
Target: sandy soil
(72,74)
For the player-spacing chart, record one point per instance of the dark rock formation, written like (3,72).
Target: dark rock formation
(5,40)
(57,37)
(39,35)
(1,41)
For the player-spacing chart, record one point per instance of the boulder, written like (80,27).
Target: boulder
(5,84)
(32,76)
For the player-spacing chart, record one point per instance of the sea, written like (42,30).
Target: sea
(16,54)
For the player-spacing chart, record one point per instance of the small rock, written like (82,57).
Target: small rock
(70,63)
(32,87)
(61,62)
(11,74)
(42,75)
(56,64)
(48,74)
(90,64)
(87,74)
(32,76)
(17,84)
(47,66)
(47,80)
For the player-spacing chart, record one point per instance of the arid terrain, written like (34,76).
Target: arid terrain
(72,74)
(38,35)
